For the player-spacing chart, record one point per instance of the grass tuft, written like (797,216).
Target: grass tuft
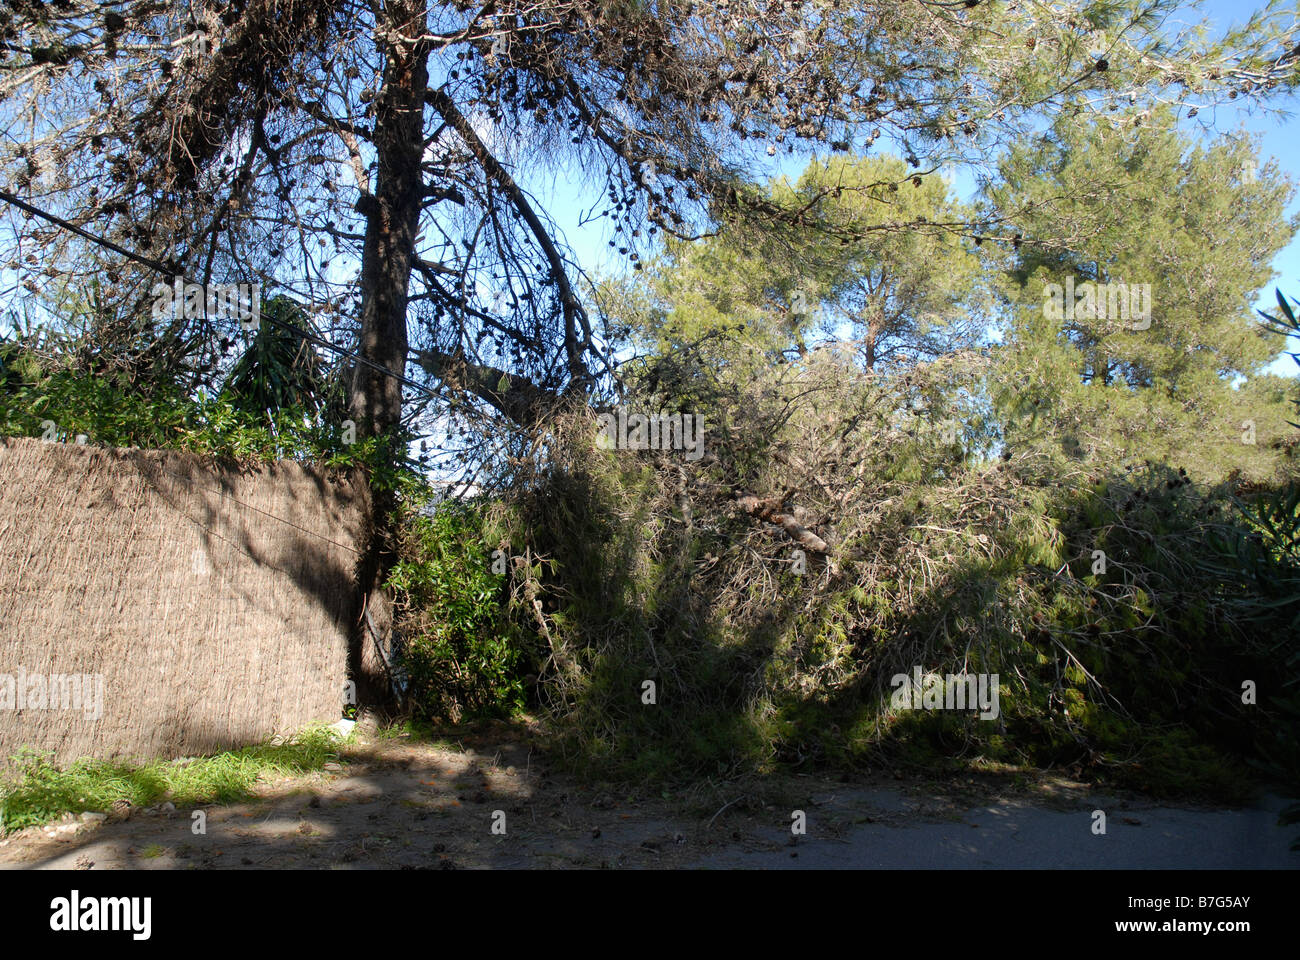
(41,791)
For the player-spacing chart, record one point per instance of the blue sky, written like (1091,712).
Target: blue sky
(565,199)
(1278,141)
(567,203)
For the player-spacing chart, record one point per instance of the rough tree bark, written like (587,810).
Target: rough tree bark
(392,215)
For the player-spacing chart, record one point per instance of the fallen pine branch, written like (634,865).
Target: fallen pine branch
(771,511)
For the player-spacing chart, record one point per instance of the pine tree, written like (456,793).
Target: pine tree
(1117,213)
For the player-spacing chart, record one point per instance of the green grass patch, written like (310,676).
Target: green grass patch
(41,792)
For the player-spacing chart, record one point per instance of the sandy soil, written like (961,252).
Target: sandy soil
(488,801)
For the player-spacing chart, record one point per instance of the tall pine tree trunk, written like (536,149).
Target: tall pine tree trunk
(392,215)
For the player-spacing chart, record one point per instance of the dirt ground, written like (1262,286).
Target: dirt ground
(489,801)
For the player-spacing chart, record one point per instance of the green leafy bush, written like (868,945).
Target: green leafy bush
(461,654)
(58,402)
(1267,562)
(943,558)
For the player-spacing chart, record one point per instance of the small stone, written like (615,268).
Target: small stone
(334,768)
(93,817)
(167,808)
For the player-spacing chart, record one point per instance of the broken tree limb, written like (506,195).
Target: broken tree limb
(770,510)
(517,398)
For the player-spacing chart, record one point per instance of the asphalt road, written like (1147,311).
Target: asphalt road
(1016,834)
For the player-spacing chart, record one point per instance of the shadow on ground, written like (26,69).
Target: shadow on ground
(490,801)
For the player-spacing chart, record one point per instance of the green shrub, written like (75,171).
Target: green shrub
(461,654)
(58,402)
(1127,673)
